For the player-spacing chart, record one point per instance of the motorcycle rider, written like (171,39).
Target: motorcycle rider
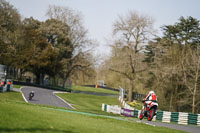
(151,97)
(31,95)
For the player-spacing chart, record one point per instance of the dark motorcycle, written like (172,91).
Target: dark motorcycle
(31,95)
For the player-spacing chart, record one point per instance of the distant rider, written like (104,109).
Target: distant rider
(31,95)
(151,97)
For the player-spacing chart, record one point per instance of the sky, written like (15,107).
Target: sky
(99,15)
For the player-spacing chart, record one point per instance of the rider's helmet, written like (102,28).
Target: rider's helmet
(151,92)
(32,91)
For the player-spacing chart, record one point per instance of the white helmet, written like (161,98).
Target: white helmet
(151,92)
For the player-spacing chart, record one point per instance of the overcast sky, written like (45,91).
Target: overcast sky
(99,15)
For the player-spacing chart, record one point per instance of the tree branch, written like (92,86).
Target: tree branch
(123,73)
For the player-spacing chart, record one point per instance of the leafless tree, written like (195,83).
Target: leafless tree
(191,70)
(74,20)
(132,31)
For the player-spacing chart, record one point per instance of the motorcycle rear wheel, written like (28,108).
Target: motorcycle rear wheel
(152,113)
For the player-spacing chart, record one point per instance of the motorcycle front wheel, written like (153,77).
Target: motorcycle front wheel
(30,98)
(151,114)
(141,115)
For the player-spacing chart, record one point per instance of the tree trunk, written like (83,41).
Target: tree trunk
(130,92)
(171,103)
(193,104)
(42,79)
(194,98)
(37,78)
(19,74)
(195,86)
(64,81)
(54,81)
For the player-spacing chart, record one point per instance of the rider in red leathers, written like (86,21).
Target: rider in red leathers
(151,97)
(150,106)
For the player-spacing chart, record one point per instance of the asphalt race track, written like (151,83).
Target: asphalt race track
(186,128)
(44,97)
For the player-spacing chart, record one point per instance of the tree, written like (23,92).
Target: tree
(191,73)
(73,19)
(174,60)
(9,32)
(112,79)
(185,32)
(36,53)
(133,31)
(79,41)
(82,70)
(57,34)
(29,25)
(165,74)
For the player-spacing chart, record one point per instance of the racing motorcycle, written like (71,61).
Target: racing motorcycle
(149,110)
(31,95)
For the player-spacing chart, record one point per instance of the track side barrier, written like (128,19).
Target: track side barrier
(164,116)
(198,121)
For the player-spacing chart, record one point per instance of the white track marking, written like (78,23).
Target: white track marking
(23,95)
(63,99)
(146,123)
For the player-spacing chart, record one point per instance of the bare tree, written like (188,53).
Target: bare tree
(176,74)
(132,31)
(166,75)
(177,61)
(191,70)
(73,19)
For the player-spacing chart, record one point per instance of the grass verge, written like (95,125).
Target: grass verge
(17,86)
(11,96)
(88,103)
(92,89)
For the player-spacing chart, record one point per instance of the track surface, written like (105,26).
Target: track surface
(186,128)
(44,96)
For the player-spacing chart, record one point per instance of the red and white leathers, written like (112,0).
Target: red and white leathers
(151,97)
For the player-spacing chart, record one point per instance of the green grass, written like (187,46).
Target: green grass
(20,117)
(92,89)
(17,86)
(11,96)
(88,103)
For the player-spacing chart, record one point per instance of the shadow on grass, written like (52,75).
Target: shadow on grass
(15,130)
